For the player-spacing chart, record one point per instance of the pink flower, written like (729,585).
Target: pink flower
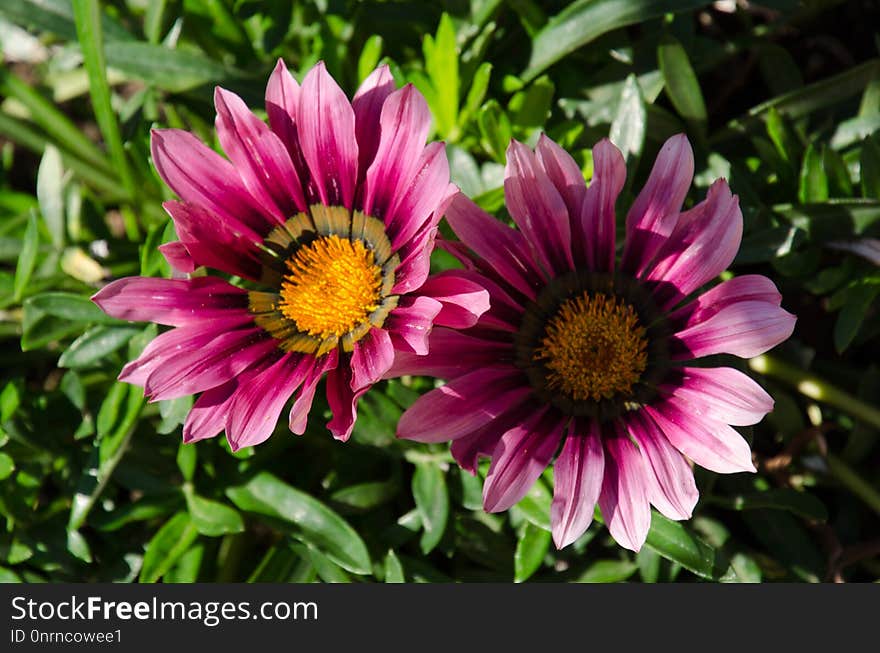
(330,213)
(595,355)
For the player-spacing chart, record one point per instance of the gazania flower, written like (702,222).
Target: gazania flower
(595,358)
(329,215)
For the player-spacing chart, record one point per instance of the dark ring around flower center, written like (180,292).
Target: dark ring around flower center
(331,273)
(632,349)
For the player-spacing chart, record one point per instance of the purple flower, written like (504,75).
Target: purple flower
(329,214)
(592,355)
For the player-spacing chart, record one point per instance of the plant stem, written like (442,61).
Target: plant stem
(855,483)
(817,388)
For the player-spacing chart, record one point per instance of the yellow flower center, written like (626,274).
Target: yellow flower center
(333,286)
(593,348)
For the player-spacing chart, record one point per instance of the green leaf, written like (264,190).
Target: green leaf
(800,503)
(783,137)
(328,570)
(55,16)
(531,548)
(10,400)
(28,257)
(441,64)
(68,306)
(267,495)
(366,496)
(173,412)
(87,15)
(495,129)
(171,70)
(608,571)
(186,568)
(628,127)
(187,457)
(813,180)
(50,194)
(108,413)
(531,107)
(55,123)
(585,20)
(649,565)
(682,85)
(857,302)
(78,546)
(476,94)
(675,542)
(393,568)
(839,181)
(432,502)
(7,466)
(212,518)
(167,546)
(95,344)
(869,164)
(535,505)
(370,55)
(819,95)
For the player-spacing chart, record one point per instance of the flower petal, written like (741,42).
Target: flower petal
(748,287)
(343,402)
(260,157)
(260,398)
(595,232)
(710,444)
(563,173)
(577,479)
(426,196)
(451,354)
(226,244)
(166,346)
(723,394)
(520,457)
(178,257)
(463,405)
(410,323)
(415,267)
(669,479)
(371,358)
(327,137)
(282,105)
(299,412)
(701,246)
(624,497)
(503,248)
(744,329)
(537,208)
(202,177)
(208,415)
(463,300)
(404,122)
(170,301)
(482,442)
(367,105)
(654,212)
(223,358)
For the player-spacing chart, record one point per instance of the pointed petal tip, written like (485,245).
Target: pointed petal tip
(563,537)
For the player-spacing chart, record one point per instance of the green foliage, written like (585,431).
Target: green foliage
(95,484)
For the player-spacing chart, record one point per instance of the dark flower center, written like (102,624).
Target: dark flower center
(593,344)
(593,348)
